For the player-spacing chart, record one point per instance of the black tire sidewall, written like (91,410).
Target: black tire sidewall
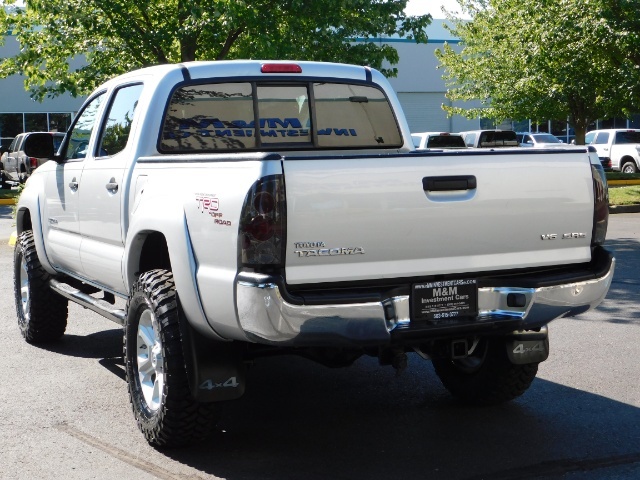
(47,310)
(147,417)
(495,380)
(19,255)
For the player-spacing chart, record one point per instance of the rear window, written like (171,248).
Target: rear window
(446,141)
(504,138)
(249,116)
(628,137)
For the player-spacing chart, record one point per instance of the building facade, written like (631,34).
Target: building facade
(20,113)
(419,85)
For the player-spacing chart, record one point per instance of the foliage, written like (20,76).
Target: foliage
(624,195)
(622,176)
(116,36)
(544,59)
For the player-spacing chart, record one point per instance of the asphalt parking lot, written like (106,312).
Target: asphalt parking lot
(65,411)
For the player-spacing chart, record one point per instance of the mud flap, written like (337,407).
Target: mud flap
(525,347)
(216,370)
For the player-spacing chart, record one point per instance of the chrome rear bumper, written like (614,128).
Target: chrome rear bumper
(266,317)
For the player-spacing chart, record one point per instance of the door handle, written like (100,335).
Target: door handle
(449,183)
(112,186)
(73,184)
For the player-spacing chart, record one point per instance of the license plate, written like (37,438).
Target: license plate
(444,300)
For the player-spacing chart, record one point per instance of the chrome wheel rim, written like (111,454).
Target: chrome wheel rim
(25,297)
(150,360)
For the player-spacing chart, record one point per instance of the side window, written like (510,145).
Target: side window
(588,139)
(602,138)
(119,118)
(470,139)
(80,134)
(15,143)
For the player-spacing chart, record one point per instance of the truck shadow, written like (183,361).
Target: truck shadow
(620,305)
(315,423)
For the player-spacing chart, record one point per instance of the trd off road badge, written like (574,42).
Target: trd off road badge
(209,203)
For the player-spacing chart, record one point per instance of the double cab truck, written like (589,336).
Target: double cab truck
(224,211)
(618,149)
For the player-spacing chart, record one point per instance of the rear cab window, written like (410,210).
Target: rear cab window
(627,137)
(446,141)
(505,138)
(215,117)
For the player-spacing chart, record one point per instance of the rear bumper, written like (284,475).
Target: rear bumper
(268,314)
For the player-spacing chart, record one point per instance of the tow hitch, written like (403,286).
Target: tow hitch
(528,346)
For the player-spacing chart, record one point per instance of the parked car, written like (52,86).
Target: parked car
(437,140)
(539,140)
(16,164)
(618,149)
(490,138)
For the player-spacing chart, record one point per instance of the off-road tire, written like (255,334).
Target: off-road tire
(42,313)
(161,400)
(487,377)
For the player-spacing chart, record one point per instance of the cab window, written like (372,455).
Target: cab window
(80,134)
(118,120)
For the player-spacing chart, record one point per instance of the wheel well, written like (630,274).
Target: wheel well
(23,220)
(627,159)
(154,253)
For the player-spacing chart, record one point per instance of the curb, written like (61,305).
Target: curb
(7,201)
(622,183)
(624,208)
(13,238)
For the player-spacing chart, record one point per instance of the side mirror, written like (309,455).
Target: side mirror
(39,145)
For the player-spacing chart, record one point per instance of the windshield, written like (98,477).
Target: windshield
(546,139)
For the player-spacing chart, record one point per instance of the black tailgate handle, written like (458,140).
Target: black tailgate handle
(445,184)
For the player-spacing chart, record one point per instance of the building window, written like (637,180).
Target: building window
(35,122)
(10,124)
(59,122)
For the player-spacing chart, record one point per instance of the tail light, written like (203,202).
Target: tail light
(600,200)
(261,236)
(33,162)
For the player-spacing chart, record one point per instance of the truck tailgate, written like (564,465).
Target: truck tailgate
(411,215)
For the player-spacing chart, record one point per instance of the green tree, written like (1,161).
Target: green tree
(116,36)
(543,59)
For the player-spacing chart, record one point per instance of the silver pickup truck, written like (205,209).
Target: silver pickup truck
(223,211)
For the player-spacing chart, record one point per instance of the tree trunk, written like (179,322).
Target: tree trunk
(580,128)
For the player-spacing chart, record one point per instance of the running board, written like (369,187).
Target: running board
(87,301)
